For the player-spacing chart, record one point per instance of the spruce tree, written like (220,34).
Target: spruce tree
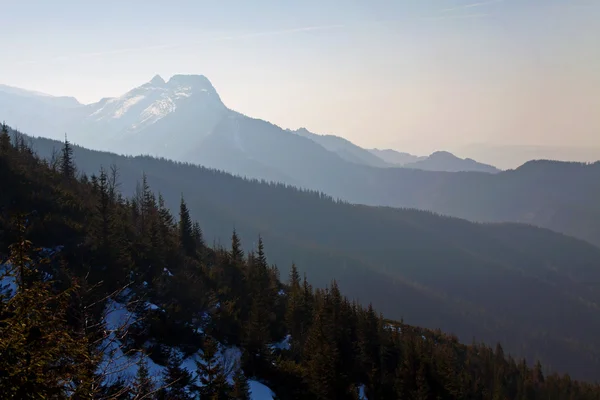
(295,315)
(5,144)
(198,236)
(258,330)
(241,388)
(67,165)
(164,213)
(186,229)
(321,357)
(177,380)
(143,386)
(237,254)
(41,356)
(211,374)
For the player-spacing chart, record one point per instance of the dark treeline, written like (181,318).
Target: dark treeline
(532,290)
(73,245)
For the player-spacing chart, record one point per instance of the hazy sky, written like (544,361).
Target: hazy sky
(416,75)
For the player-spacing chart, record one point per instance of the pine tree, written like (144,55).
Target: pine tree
(423,391)
(67,166)
(261,258)
(241,388)
(262,301)
(211,374)
(177,380)
(5,144)
(186,229)
(40,354)
(295,314)
(321,358)
(237,254)
(164,213)
(198,236)
(143,387)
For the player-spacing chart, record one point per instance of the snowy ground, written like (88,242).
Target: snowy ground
(258,391)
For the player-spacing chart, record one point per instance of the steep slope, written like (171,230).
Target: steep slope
(158,118)
(118,301)
(257,149)
(529,288)
(344,148)
(191,124)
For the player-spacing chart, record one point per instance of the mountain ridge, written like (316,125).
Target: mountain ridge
(194,320)
(142,107)
(204,131)
(436,267)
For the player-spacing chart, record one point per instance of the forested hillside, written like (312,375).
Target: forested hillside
(531,289)
(77,254)
(185,120)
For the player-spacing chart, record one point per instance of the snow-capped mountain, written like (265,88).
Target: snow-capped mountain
(158,118)
(148,119)
(184,119)
(153,101)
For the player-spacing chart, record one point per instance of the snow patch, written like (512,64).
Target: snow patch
(228,357)
(361,392)
(127,104)
(183,92)
(154,307)
(119,364)
(259,391)
(50,251)
(116,362)
(101,109)
(8,281)
(157,110)
(283,345)
(116,315)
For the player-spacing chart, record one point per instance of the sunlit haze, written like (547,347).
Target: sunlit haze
(416,76)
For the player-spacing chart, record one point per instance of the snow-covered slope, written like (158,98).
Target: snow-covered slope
(157,118)
(153,101)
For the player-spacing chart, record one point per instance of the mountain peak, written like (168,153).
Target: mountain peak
(157,80)
(442,155)
(195,81)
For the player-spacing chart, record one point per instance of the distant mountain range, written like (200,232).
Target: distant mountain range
(438,161)
(531,289)
(512,156)
(394,157)
(184,119)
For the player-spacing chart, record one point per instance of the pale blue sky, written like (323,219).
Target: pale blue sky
(417,75)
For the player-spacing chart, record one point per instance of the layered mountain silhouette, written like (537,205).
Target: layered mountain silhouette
(445,161)
(529,288)
(344,148)
(394,157)
(437,161)
(184,119)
